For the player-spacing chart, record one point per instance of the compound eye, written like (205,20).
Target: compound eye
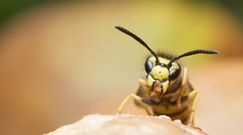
(148,66)
(174,73)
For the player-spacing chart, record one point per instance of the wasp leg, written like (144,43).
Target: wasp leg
(122,105)
(184,79)
(193,96)
(148,111)
(136,98)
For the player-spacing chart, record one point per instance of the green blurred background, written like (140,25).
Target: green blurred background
(61,60)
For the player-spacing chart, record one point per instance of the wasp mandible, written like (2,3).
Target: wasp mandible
(165,90)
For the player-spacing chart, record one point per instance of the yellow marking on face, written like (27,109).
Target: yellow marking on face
(150,80)
(161,60)
(164,61)
(174,66)
(165,86)
(159,72)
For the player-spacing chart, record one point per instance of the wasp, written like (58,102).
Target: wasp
(165,90)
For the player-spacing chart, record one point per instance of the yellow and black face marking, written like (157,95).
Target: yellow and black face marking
(160,75)
(166,90)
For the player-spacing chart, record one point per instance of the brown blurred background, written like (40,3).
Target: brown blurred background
(62,60)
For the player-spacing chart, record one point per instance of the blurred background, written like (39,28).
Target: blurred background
(62,60)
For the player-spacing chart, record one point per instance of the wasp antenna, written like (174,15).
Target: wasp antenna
(199,51)
(139,40)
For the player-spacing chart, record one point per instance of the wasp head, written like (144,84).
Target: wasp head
(159,75)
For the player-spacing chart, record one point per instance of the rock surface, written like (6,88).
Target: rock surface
(126,125)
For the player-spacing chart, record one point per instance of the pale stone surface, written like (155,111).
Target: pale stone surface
(125,125)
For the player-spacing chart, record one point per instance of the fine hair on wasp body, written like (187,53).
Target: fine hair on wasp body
(165,89)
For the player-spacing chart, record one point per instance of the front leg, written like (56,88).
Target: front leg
(122,105)
(136,98)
